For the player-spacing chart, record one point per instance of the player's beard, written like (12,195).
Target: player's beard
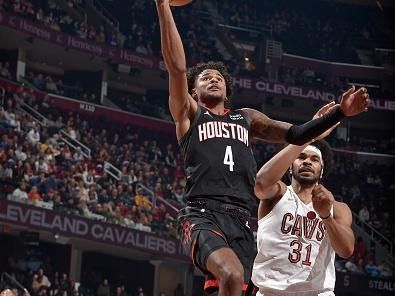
(305,181)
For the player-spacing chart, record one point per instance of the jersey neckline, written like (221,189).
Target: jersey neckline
(226,111)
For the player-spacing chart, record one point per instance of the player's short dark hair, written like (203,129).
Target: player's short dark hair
(194,72)
(327,156)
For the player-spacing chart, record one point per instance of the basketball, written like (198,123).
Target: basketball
(179,2)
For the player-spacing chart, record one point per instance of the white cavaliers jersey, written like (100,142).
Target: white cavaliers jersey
(295,256)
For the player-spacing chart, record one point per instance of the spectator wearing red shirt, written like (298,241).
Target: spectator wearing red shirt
(33,194)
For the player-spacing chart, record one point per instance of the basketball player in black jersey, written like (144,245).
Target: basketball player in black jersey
(219,163)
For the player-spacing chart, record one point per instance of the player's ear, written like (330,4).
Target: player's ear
(194,94)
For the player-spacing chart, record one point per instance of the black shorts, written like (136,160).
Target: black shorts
(203,230)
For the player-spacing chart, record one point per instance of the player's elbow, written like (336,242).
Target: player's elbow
(346,252)
(260,188)
(175,67)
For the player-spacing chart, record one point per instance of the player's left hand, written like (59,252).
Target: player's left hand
(322,200)
(354,102)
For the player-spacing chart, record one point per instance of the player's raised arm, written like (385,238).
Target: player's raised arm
(182,105)
(262,127)
(268,179)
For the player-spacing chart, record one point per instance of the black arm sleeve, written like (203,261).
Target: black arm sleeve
(301,134)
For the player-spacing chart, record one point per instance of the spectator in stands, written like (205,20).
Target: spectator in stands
(38,81)
(140,292)
(372,269)
(141,200)
(4,70)
(50,85)
(33,194)
(33,136)
(11,119)
(103,289)
(64,282)
(78,156)
(359,249)
(364,214)
(20,154)
(385,270)
(20,192)
(45,282)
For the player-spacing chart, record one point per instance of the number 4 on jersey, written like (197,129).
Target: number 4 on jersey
(228,159)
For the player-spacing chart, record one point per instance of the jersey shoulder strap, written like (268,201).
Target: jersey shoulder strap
(184,139)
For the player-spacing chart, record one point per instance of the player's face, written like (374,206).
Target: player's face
(306,169)
(210,86)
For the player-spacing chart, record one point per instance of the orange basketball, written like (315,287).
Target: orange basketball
(179,2)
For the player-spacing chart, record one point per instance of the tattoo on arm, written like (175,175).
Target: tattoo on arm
(270,130)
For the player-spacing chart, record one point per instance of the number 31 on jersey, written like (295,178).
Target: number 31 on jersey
(228,159)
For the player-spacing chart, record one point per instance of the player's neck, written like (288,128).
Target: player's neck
(303,191)
(215,108)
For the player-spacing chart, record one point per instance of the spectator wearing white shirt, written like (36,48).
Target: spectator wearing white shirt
(364,214)
(33,136)
(20,192)
(45,282)
(88,177)
(78,156)
(20,155)
(11,120)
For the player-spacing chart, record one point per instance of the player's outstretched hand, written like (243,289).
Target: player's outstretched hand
(354,102)
(322,200)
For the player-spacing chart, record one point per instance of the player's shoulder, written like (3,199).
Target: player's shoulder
(341,208)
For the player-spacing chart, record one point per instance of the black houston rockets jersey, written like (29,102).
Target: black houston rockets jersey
(218,158)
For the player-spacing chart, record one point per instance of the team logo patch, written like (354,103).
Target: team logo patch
(187,228)
(311,215)
(207,113)
(236,116)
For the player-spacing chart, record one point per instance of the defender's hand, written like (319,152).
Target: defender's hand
(354,102)
(322,200)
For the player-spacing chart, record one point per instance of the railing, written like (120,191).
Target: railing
(112,170)
(149,192)
(5,276)
(375,236)
(154,198)
(26,82)
(41,119)
(86,151)
(105,13)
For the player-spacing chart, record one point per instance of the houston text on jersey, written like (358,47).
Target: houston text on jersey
(219,129)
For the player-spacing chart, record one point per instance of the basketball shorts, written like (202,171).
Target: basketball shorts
(203,230)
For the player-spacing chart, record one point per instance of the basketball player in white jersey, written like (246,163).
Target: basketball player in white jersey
(300,227)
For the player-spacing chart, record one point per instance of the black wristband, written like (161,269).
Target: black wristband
(301,134)
(326,217)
